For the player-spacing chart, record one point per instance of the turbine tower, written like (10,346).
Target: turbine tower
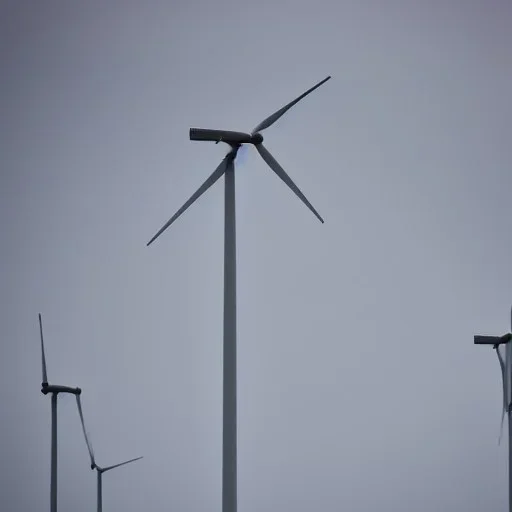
(227,169)
(54,390)
(506,373)
(99,470)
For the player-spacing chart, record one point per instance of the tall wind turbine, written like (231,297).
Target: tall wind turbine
(226,169)
(506,375)
(99,470)
(54,390)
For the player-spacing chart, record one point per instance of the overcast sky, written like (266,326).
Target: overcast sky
(359,385)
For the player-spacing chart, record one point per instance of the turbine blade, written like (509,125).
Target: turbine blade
(43,358)
(87,442)
(221,169)
(269,121)
(272,163)
(121,464)
(508,375)
(502,366)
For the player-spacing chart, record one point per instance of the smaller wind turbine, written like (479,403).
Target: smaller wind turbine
(506,374)
(99,470)
(54,390)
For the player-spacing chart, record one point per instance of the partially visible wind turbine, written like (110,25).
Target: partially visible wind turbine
(506,375)
(54,390)
(227,168)
(99,470)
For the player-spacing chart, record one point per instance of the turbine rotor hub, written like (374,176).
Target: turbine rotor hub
(256,138)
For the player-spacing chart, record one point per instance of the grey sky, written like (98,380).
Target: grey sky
(359,386)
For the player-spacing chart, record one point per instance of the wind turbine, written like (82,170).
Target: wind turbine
(506,374)
(54,390)
(227,168)
(99,470)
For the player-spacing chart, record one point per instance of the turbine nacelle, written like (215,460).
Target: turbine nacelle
(50,388)
(495,341)
(227,136)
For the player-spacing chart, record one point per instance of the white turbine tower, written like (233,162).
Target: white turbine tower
(54,391)
(227,169)
(99,470)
